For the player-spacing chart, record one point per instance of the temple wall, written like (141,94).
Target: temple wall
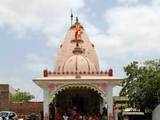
(23,111)
(107,100)
(46,104)
(4,97)
(156,113)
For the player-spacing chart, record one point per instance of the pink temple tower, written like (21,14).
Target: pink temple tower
(77,79)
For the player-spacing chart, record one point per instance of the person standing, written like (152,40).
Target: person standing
(65,117)
(58,116)
(104,114)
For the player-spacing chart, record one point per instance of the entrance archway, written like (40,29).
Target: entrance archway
(86,100)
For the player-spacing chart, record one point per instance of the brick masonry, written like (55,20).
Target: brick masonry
(4,97)
(22,109)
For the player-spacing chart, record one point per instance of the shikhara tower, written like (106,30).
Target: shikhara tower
(77,77)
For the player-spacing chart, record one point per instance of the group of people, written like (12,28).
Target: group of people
(74,114)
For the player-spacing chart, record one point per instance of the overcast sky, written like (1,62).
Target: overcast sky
(30,32)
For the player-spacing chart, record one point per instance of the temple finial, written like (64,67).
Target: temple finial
(71,18)
(77,20)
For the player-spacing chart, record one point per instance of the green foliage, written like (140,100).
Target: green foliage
(142,85)
(21,96)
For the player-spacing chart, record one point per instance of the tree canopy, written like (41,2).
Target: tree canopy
(21,96)
(142,84)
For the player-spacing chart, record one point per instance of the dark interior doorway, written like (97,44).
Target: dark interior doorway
(85,100)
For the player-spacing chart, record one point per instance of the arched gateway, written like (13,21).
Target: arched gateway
(77,80)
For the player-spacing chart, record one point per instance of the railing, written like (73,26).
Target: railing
(47,73)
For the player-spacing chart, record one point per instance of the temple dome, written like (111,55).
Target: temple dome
(78,63)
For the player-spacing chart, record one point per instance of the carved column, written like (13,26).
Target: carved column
(102,104)
(48,95)
(45,104)
(110,103)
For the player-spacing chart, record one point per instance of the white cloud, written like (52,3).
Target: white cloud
(131,29)
(155,2)
(128,1)
(50,16)
(36,63)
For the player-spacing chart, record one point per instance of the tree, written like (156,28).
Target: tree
(142,85)
(21,96)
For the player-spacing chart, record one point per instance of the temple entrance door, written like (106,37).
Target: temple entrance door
(85,100)
(79,102)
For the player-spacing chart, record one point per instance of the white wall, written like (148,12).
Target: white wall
(156,113)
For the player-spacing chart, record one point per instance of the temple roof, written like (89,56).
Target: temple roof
(66,58)
(78,63)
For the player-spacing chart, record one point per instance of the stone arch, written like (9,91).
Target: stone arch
(62,87)
(80,85)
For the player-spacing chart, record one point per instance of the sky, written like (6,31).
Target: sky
(31,30)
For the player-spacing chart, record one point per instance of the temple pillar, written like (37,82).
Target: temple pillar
(102,105)
(48,96)
(110,103)
(108,99)
(45,104)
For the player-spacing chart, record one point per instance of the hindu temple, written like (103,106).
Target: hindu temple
(77,80)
